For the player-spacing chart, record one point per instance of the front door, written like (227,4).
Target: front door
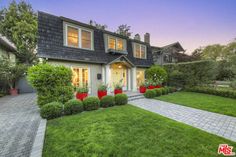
(119,73)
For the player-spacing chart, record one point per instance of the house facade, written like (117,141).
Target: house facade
(94,55)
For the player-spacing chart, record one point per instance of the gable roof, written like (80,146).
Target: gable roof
(175,45)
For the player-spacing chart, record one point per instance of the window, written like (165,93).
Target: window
(115,43)
(79,37)
(139,51)
(140,75)
(80,77)
(72,36)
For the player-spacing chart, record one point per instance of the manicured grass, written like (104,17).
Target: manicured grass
(126,131)
(202,101)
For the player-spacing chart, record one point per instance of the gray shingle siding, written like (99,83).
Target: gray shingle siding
(50,44)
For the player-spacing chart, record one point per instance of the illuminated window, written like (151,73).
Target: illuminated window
(112,43)
(79,37)
(86,39)
(139,51)
(80,77)
(72,36)
(115,43)
(140,74)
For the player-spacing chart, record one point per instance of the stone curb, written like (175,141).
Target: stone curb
(37,148)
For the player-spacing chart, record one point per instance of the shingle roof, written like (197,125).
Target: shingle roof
(7,43)
(50,43)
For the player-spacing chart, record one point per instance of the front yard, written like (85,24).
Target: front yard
(126,131)
(206,102)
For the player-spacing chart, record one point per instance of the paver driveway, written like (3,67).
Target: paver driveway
(19,122)
(221,125)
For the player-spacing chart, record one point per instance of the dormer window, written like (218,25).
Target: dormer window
(79,37)
(140,51)
(116,43)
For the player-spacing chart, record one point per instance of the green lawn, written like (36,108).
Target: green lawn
(126,131)
(206,102)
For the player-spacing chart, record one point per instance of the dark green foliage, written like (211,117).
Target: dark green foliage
(18,23)
(214,91)
(91,103)
(73,106)
(191,73)
(51,110)
(225,70)
(158,91)
(164,90)
(233,84)
(172,89)
(107,101)
(156,74)
(121,99)
(53,83)
(150,93)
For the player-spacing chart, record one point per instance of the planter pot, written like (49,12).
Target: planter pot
(142,89)
(158,86)
(81,96)
(151,87)
(117,91)
(101,94)
(13,91)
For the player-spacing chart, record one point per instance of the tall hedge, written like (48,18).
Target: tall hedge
(191,73)
(53,83)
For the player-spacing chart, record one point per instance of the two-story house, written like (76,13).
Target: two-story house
(94,55)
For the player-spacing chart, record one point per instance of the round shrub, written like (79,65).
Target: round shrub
(156,74)
(107,101)
(51,110)
(158,92)
(164,91)
(121,99)
(150,93)
(73,106)
(91,103)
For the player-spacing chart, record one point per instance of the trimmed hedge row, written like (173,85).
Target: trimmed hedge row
(151,93)
(213,91)
(191,73)
(73,106)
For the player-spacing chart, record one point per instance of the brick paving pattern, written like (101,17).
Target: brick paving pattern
(221,125)
(19,122)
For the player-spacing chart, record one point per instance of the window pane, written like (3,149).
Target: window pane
(85,77)
(143,51)
(111,43)
(75,76)
(72,37)
(86,39)
(120,44)
(137,50)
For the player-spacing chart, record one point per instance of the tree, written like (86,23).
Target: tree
(10,72)
(124,30)
(18,23)
(196,54)
(214,52)
(97,25)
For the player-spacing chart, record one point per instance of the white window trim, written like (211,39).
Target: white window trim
(134,50)
(66,25)
(116,42)
(84,67)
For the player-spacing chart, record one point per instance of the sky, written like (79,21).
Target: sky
(193,23)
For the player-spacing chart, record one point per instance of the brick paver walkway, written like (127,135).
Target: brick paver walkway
(221,125)
(19,122)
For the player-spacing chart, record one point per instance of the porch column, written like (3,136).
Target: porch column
(107,76)
(129,79)
(134,79)
(103,74)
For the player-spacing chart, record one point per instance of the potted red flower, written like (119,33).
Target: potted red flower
(142,88)
(118,87)
(81,93)
(150,84)
(102,90)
